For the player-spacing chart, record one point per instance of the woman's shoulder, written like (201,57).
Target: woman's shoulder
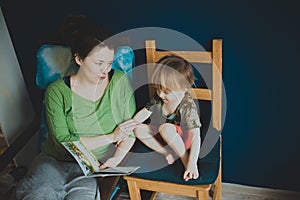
(118,73)
(57,85)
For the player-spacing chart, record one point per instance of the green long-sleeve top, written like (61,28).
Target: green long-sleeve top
(71,116)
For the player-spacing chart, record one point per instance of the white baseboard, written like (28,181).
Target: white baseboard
(250,192)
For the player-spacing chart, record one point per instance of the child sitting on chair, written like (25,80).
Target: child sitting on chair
(173,115)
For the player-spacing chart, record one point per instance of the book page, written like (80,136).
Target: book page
(115,171)
(86,160)
(89,163)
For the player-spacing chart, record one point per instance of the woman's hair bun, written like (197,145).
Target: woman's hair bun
(76,27)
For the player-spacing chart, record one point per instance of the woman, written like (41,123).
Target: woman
(94,106)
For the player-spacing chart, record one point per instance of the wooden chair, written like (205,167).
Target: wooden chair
(210,167)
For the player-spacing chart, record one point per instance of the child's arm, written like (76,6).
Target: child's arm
(191,171)
(142,115)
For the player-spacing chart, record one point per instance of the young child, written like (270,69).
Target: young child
(173,115)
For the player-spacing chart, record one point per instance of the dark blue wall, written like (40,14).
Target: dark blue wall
(261,69)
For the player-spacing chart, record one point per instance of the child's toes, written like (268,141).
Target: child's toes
(170,159)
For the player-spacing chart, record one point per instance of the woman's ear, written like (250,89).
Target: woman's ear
(78,59)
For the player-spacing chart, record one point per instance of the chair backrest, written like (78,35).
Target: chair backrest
(54,62)
(213,57)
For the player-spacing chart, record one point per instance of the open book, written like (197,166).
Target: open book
(89,163)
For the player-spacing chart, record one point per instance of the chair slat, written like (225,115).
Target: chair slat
(191,56)
(217,84)
(201,94)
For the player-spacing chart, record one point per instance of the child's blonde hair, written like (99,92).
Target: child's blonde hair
(172,73)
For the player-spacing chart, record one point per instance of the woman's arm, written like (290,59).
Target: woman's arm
(55,115)
(97,141)
(120,134)
(120,153)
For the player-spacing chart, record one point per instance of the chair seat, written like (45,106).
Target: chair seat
(154,167)
(173,173)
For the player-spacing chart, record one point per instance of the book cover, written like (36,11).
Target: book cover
(89,164)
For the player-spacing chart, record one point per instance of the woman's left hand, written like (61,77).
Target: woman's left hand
(126,129)
(128,126)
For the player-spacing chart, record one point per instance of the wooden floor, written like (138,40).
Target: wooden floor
(236,192)
(229,192)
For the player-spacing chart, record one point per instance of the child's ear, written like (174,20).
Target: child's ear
(78,59)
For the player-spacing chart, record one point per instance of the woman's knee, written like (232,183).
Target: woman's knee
(45,177)
(45,166)
(82,188)
(46,191)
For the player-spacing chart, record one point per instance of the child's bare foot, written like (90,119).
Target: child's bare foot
(170,159)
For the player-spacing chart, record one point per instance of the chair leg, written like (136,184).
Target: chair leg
(218,183)
(134,191)
(217,191)
(202,195)
(153,196)
(218,186)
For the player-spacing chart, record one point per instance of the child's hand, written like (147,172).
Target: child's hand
(191,172)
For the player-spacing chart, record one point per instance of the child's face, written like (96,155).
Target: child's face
(171,96)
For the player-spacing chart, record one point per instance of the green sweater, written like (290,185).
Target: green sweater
(70,116)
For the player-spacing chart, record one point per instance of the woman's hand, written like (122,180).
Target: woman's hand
(111,162)
(119,154)
(123,130)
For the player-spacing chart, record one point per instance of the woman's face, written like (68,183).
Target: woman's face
(98,63)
